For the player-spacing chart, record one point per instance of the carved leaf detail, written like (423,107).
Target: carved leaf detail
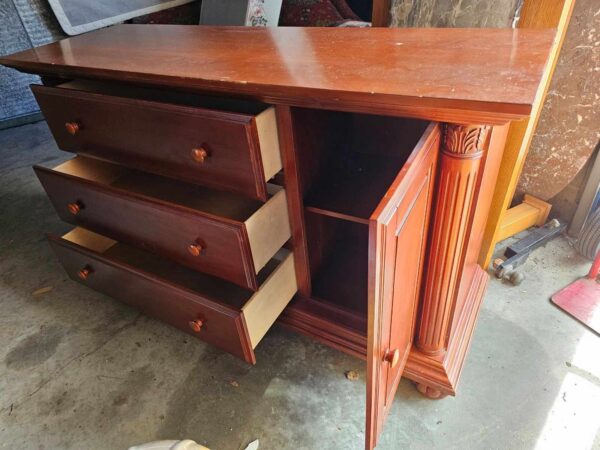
(464,139)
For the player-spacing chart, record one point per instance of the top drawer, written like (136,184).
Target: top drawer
(222,143)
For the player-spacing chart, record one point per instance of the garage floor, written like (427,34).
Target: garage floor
(81,371)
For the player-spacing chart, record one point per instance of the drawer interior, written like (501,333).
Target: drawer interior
(209,201)
(227,104)
(213,288)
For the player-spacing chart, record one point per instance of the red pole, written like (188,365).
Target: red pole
(595,269)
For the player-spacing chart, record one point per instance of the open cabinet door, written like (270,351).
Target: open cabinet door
(397,241)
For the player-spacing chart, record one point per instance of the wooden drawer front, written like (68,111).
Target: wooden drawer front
(235,250)
(242,150)
(235,325)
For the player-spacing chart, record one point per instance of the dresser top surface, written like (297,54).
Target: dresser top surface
(477,74)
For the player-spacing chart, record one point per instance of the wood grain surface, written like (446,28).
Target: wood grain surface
(468,75)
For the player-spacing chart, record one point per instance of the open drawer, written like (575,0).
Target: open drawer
(223,143)
(211,231)
(220,313)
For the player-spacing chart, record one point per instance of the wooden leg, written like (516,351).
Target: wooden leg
(430,392)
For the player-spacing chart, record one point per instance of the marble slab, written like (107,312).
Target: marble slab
(454,13)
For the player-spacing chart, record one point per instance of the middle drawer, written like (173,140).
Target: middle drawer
(214,232)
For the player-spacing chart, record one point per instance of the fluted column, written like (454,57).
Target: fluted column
(459,165)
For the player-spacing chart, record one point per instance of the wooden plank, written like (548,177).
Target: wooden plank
(535,14)
(93,241)
(265,306)
(532,212)
(268,228)
(266,127)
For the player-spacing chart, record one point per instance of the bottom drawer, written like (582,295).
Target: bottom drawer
(220,313)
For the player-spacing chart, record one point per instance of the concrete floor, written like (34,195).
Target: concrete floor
(81,371)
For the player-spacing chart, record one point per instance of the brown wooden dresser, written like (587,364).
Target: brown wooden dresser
(335,180)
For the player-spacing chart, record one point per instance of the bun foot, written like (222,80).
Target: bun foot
(430,392)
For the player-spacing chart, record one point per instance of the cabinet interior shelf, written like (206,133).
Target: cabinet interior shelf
(353,187)
(349,162)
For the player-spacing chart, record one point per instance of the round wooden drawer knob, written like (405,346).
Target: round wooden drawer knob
(195,249)
(392,357)
(74,208)
(84,273)
(199,155)
(72,128)
(196,325)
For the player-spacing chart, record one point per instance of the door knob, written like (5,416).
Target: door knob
(195,249)
(196,325)
(72,128)
(84,273)
(199,155)
(75,207)
(392,357)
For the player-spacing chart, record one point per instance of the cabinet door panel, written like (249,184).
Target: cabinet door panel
(397,241)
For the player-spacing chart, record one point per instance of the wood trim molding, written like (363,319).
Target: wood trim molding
(328,332)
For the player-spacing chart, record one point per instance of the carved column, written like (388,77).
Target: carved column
(459,165)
